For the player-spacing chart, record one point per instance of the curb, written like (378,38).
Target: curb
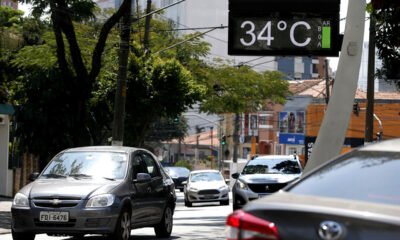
(5,215)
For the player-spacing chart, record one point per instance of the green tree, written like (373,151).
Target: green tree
(159,88)
(387,14)
(71,64)
(10,41)
(242,90)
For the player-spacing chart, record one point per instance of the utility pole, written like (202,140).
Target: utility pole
(327,90)
(236,137)
(369,117)
(120,94)
(146,40)
(211,147)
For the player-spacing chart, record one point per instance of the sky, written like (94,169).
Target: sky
(333,61)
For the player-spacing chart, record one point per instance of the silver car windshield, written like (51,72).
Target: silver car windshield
(272,166)
(108,165)
(206,177)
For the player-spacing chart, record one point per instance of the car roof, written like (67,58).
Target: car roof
(204,170)
(103,149)
(392,145)
(266,157)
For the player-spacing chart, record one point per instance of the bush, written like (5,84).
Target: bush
(184,163)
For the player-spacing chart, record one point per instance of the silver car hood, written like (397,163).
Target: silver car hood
(268,178)
(68,188)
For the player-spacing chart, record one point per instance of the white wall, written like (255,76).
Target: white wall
(6,175)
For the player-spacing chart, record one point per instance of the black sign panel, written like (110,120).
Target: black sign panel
(266,32)
(317,6)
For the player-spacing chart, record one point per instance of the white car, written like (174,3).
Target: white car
(206,186)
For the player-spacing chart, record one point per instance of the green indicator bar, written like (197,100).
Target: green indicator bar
(326,37)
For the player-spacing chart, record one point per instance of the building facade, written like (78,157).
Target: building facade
(297,68)
(9,3)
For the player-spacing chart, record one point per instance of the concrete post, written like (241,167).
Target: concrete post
(335,123)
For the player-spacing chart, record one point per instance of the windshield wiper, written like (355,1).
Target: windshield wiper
(80,175)
(109,178)
(54,175)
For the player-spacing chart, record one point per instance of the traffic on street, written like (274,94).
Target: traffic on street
(199,119)
(202,221)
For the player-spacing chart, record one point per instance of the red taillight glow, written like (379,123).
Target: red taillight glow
(243,226)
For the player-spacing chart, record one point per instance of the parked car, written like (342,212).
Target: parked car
(264,175)
(353,196)
(96,190)
(178,175)
(206,186)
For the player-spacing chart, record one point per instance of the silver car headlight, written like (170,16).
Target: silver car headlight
(242,185)
(20,200)
(192,189)
(104,200)
(224,189)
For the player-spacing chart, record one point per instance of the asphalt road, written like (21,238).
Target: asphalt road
(200,222)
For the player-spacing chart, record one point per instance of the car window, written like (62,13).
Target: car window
(365,176)
(151,165)
(272,166)
(138,166)
(88,164)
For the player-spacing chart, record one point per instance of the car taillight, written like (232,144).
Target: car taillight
(243,226)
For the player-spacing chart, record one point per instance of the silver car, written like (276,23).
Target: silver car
(206,186)
(96,190)
(264,175)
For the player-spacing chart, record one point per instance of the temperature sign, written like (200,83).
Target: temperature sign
(277,36)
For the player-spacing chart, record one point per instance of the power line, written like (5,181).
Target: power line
(186,40)
(188,29)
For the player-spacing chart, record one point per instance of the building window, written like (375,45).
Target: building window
(292,150)
(265,120)
(278,149)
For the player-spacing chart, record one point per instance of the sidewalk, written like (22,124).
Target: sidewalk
(5,215)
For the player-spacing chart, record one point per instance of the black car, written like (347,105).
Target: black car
(354,196)
(96,190)
(178,175)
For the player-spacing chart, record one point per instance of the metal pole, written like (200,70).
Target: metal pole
(369,117)
(211,147)
(327,87)
(120,94)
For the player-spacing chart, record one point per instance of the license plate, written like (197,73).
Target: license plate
(209,196)
(54,216)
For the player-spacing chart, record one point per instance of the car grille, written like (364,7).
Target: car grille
(70,223)
(208,191)
(266,188)
(59,202)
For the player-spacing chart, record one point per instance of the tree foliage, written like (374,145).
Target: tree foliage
(387,14)
(10,41)
(239,90)
(159,89)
